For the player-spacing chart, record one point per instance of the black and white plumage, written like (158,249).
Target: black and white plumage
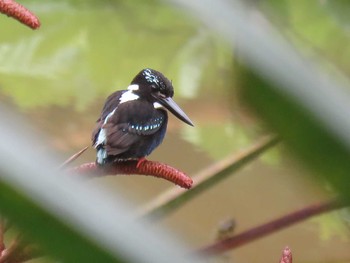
(133,122)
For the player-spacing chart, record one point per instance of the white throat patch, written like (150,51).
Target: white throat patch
(129,95)
(157,105)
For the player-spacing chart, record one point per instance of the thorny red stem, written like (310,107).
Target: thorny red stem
(146,167)
(270,227)
(20,13)
(286,256)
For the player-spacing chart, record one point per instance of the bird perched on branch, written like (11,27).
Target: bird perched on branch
(133,122)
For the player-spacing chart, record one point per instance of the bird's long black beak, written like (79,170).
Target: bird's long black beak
(171,105)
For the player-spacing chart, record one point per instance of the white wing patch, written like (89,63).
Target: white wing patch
(128,95)
(133,87)
(101,139)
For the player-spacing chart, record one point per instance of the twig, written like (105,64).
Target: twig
(73,157)
(2,234)
(286,256)
(173,198)
(20,251)
(226,229)
(270,227)
(20,13)
(146,167)
(8,254)
(26,253)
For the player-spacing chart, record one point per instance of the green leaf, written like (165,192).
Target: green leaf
(314,145)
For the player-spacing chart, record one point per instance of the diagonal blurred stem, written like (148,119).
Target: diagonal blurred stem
(272,226)
(2,234)
(173,198)
(73,158)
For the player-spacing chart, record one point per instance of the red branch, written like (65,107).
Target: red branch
(146,167)
(20,13)
(270,227)
(286,256)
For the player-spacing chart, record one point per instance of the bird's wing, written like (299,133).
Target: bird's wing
(123,130)
(111,103)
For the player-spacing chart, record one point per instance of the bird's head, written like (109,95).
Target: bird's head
(153,86)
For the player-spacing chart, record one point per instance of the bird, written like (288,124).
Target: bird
(133,122)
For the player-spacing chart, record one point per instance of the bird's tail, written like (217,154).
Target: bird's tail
(101,156)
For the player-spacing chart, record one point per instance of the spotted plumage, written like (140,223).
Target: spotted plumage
(133,122)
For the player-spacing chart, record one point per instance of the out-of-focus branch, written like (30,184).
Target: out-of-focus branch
(270,227)
(20,13)
(2,234)
(8,254)
(19,251)
(73,157)
(208,177)
(146,167)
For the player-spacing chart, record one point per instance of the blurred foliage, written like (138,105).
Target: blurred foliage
(315,27)
(226,138)
(87,49)
(332,225)
(316,147)
(28,215)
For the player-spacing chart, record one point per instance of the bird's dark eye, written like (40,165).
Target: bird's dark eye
(154,87)
(161,95)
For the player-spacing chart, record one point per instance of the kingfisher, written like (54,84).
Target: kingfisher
(133,122)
